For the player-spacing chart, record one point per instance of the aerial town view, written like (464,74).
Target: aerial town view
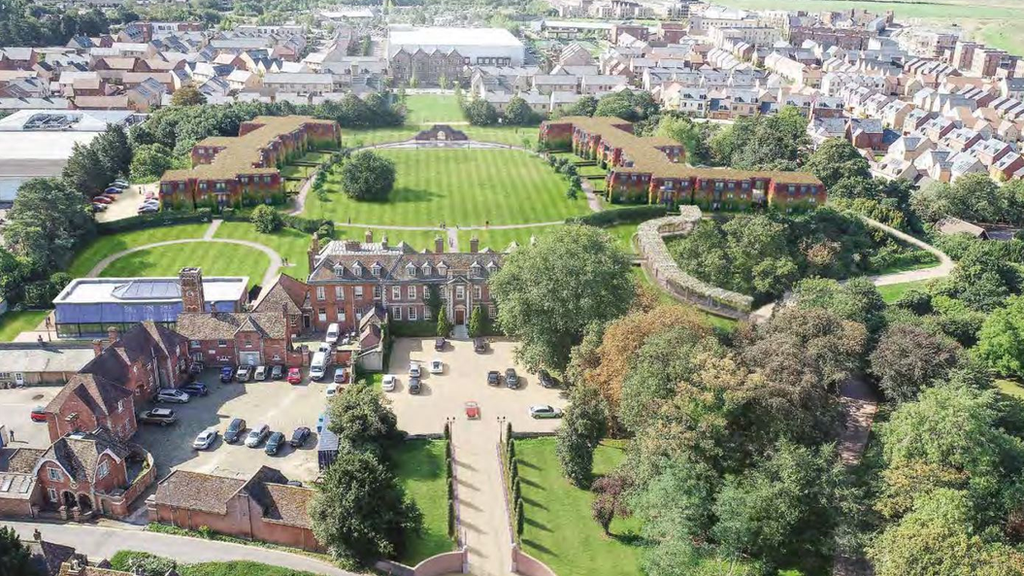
(496,287)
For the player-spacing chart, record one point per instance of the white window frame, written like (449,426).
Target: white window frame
(321,314)
(341,314)
(339,292)
(321,294)
(396,312)
(396,292)
(358,291)
(478,292)
(53,474)
(460,292)
(410,292)
(52,493)
(412,313)
(103,469)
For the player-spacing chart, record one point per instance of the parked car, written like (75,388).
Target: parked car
(436,366)
(333,332)
(113,190)
(205,439)
(546,380)
(274,443)
(320,422)
(414,385)
(171,395)
(479,345)
(340,375)
(260,374)
(494,378)
(195,389)
(98,207)
(316,372)
(38,414)
(332,389)
(472,410)
(294,376)
(110,197)
(101,200)
(414,369)
(439,344)
(234,432)
(226,372)
(276,372)
(147,209)
(121,182)
(244,373)
(299,436)
(511,378)
(389,382)
(257,435)
(325,347)
(161,416)
(544,411)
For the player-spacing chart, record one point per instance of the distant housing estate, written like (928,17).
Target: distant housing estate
(653,169)
(224,169)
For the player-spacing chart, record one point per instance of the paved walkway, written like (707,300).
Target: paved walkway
(102,542)
(211,230)
(268,277)
(592,199)
(481,502)
(453,239)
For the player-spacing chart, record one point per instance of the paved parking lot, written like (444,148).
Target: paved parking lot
(15,407)
(281,406)
(465,378)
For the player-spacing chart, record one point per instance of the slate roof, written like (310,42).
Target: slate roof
(224,325)
(96,392)
(285,293)
(48,556)
(138,343)
(23,461)
(348,262)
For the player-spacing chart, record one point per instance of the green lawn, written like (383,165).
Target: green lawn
(104,246)
(216,259)
(1010,388)
(122,560)
(459,187)
(498,240)
(14,323)
(559,530)
(623,234)
(420,468)
(892,292)
(432,109)
(288,242)
(512,135)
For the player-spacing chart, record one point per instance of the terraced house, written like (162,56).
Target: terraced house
(224,169)
(654,170)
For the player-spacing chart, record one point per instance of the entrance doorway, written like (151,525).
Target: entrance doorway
(460,316)
(249,358)
(68,499)
(84,503)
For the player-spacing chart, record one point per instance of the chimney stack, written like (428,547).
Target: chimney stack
(384,242)
(112,334)
(368,236)
(192,297)
(438,245)
(474,244)
(97,347)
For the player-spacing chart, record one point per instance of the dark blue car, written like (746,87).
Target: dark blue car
(226,372)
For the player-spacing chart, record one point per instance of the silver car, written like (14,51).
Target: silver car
(205,439)
(257,435)
(171,395)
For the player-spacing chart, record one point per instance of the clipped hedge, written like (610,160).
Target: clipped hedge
(157,219)
(621,215)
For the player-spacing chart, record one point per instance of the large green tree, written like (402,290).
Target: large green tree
(549,292)
(362,418)
(519,113)
(149,162)
(15,558)
(368,176)
(835,160)
(187,95)
(581,431)
(46,224)
(909,357)
(1001,340)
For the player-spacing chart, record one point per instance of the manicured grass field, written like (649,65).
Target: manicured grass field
(498,240)
(459,187)
(559,530)
(215,259)
(432,109)
(122,560)
(104,246)
(419,465)
(288,242)
(511,135)
(893,292)
(14,323)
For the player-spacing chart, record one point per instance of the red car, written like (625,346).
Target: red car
(294,376)
(38,414)
(102,200)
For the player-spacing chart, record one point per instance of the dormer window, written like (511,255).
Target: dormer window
(410,269)
(426,268)
(357,269)
(339,270)
(442,268)
(491,266)
(474,269)
(375,270)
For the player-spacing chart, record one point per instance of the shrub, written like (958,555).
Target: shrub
(148,564)
(517,490)
(266,220)
(620,215)
(520,519)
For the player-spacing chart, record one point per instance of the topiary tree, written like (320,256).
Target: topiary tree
(266,220)
(520,517)
(444,326)
(479,322)
(582,429)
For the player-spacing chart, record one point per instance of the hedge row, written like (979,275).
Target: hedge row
(173,217)
(621,215)
(515,493)
(449,478)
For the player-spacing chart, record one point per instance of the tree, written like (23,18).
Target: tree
(610,501)
(480,112)
(630,105)
(983,279)
(187,95)
(835,160)
(149,162)
(479,322)
(266,220)
(585,106)
(46,224)
(1001,340)
(908,357)
(549,292)
(359,511)
(362,418)
(368,176)
(15,558)
(432,299)
(857,300)
(581,431)
(519,113)
(114,151)
(14,273)
(85,171)
(444,326)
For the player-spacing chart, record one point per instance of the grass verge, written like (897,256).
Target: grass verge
(419,465)
(104,246)
(216,259)
(14,323)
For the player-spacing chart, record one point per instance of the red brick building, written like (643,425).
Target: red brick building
(89,402)
(653,170)
(148,357)
(262,507)
(225,169)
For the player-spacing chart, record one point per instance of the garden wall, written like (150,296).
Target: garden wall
(523,563)
(445,563)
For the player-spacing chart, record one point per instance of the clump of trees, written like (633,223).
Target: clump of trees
(974,197)
(368,176)
(266,220)
(763,142)
(91,167)
(25,23)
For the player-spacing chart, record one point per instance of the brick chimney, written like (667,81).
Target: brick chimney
(474,244)
(192,297)
(313,252)
(438,245)
(112,334)
(384,242)
(368,236)
(97,347)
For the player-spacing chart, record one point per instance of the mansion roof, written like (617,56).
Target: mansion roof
(341,261)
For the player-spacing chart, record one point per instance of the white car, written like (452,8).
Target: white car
(324,347)
(436,366)
(332,389)
(333,332)
(544,411)
(389,382)
(256,435)
(170,395)
(205,439)
(414,369)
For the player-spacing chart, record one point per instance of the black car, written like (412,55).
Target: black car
(235,431)
(274,443)
(493,378)
(546,380)
(479,345)
(439,344)
(511,379)
(299,436)
(196,389)
(277,372)
(414,385)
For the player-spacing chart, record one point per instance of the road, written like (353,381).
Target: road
(102,542)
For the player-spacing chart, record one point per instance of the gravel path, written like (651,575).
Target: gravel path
(481,502)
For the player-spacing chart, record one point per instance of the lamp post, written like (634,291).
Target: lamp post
(501,427)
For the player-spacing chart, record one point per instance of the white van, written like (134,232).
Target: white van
(319,366)
(333,332)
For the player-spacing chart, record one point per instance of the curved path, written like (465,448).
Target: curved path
(102,542)
(268,277)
